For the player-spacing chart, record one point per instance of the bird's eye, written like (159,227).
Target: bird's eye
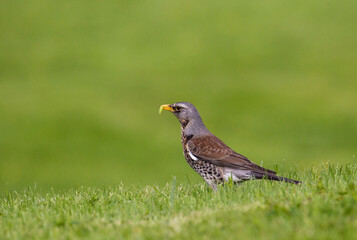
(177,109)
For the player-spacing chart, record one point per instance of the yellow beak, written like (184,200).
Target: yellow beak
(165,107)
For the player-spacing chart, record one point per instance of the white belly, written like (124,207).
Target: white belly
(236,175)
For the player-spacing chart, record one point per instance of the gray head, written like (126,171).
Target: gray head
(187,114)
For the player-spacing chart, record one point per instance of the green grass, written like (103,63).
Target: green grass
(80,86)
(323,207)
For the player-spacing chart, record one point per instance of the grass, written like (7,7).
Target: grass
(323,207)
(80,86)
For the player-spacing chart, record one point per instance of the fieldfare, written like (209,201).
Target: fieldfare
(211,158)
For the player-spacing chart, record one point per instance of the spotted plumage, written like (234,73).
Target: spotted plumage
(208,171)
(211,158)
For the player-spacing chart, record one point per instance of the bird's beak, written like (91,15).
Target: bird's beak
(165,107)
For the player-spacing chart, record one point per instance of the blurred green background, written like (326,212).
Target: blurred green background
(81,83)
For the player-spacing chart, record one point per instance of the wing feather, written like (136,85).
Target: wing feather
(211,149)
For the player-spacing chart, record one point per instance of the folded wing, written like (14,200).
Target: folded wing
(211,149)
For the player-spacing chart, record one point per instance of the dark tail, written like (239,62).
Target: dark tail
(273,177)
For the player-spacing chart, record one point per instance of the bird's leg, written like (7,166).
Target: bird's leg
(212,184)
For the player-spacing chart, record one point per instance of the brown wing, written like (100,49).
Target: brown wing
(213,150)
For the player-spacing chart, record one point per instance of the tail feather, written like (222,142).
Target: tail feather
(259,175)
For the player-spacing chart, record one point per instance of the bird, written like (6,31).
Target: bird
(209,156)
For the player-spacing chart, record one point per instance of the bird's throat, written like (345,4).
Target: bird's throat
(184,123)
(193,128)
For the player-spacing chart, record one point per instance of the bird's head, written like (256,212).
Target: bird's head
(185,112)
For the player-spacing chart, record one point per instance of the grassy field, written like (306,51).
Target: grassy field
(323,207)
(80,86)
